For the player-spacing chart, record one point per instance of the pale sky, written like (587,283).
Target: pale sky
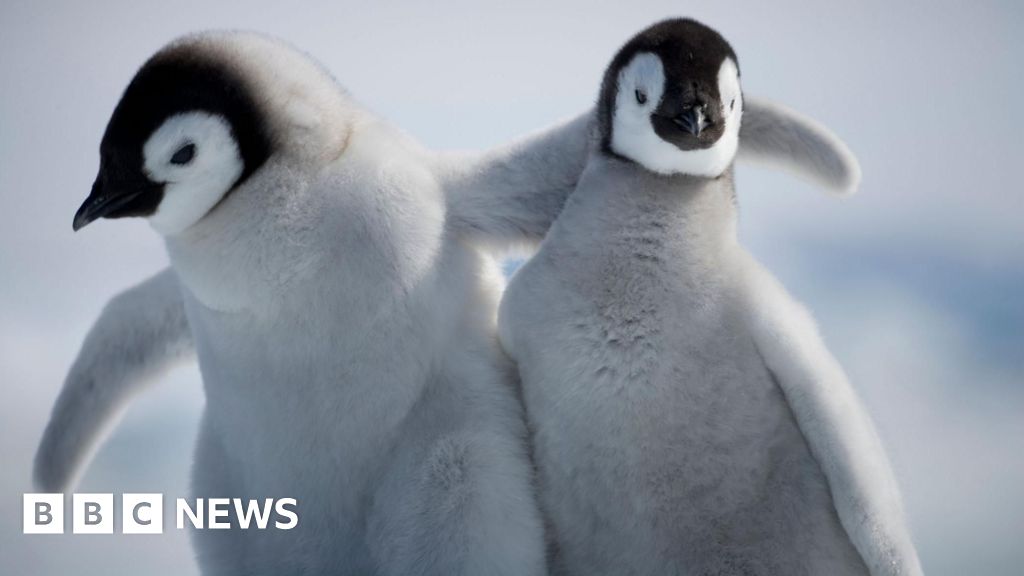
(916,281)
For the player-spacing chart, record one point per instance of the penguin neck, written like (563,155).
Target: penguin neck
(620,201)
(249,248)
(368,227)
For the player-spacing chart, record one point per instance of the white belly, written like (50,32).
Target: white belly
(392,440)
(280,426)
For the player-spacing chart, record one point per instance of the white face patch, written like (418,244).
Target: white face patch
(633,134)
(193,187)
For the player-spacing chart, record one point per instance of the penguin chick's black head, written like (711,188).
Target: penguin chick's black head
(187,120)
(675,83)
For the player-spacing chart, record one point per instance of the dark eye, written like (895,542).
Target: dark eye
(732,104)
(184,155)
(641,97)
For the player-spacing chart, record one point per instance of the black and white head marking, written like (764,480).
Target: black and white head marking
(186,132)
(671,100)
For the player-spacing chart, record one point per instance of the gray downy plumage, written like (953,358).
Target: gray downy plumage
(685,417)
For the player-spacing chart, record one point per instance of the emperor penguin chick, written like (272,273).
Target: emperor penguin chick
(345,340)
(686,418)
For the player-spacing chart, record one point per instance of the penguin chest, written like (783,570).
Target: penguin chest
(285,400)
(663,379)
(656,426)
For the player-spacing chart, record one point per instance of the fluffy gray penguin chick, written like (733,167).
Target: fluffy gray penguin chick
(686,417)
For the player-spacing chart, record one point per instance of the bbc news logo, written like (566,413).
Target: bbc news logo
(144,513)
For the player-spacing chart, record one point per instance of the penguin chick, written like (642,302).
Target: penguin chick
(685,417)
(345,339)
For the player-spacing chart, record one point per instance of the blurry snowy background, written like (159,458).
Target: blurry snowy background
(917,281)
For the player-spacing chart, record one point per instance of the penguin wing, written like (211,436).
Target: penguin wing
(514,192)
(776,135)
(140,334)
(838,429)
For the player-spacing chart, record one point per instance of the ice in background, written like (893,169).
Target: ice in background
(917,281)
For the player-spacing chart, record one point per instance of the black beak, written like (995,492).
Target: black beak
(691,120)
(102,202)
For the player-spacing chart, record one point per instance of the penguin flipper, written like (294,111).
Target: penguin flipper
(776,135)
(511,194)
(837,428)
(141,333)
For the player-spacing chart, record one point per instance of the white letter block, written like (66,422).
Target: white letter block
(43,513)
(142,513)
(92,514)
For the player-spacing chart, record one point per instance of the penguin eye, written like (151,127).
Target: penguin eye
(640,96)
(184,155)
(732,104)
